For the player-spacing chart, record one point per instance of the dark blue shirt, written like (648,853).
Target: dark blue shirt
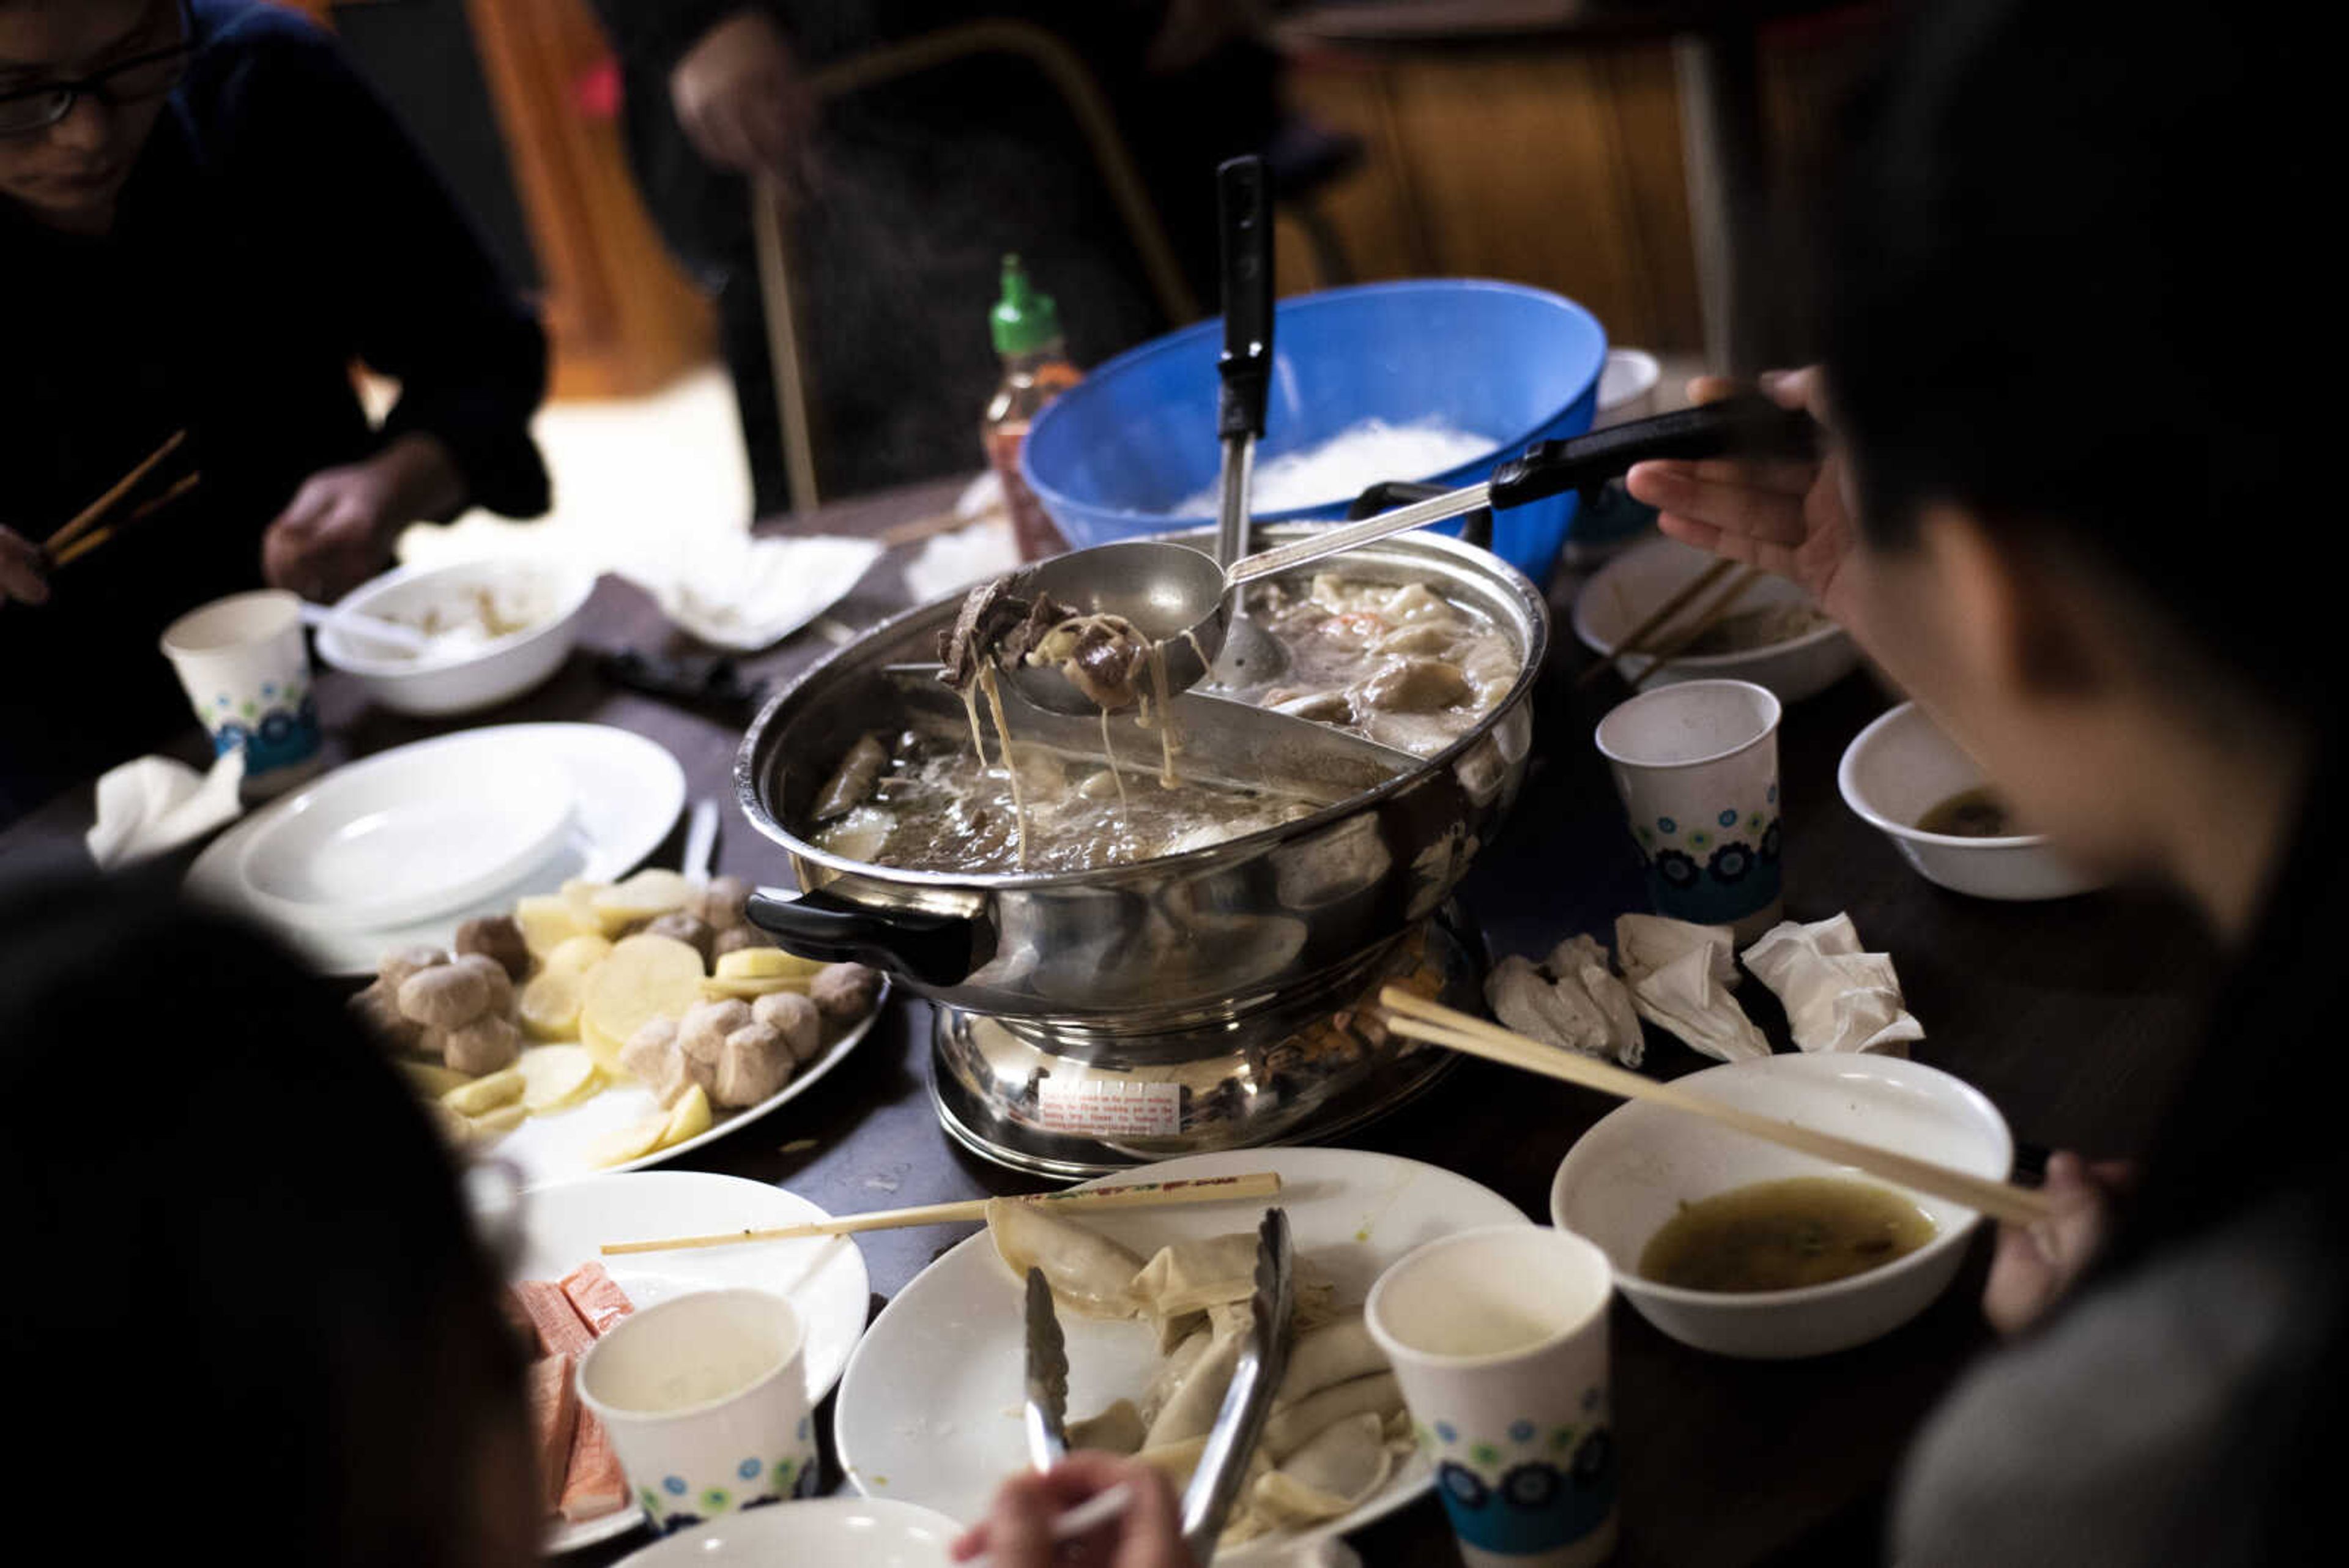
(278,227)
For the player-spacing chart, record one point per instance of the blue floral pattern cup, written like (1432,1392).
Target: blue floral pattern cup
(1697,766)
(247,672)
(1498,1337)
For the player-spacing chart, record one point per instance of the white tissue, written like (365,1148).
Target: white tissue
(1571,1000)
(149,806)
(1680,975)
(1837,998)
(737,592)
(984,547)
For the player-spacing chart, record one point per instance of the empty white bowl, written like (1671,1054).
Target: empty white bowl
(549,594)
(1631,1172)
(1625,591)
(823,1532)
(1902,766)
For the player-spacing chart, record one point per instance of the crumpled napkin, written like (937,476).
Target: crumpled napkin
(1680,975)
(983,548)
(1570,999)
(150,806)
(1837,998)
(736,592)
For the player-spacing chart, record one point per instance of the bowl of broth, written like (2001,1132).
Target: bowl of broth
(1907,778)
(1746,1249)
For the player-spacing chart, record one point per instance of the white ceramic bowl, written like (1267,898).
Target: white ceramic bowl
(823,1533)
(1630,1173)
(1903,765)
(1622,593)
(553,591)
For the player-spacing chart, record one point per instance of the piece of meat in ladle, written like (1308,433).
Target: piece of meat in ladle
(990,612)
(1107,660)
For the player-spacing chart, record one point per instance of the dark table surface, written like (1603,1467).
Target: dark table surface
(2072,1016)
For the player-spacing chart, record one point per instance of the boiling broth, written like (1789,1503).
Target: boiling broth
(1783,1235)
(1977,813)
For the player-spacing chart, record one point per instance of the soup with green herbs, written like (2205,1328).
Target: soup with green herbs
(1783,1235)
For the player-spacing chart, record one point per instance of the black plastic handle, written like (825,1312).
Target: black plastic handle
(933,949)
(1244,206)
(1476,528)
(1744,426)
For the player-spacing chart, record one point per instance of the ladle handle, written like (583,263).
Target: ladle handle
(1745,426)
(1243,202)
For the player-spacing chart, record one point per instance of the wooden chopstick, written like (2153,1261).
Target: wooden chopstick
(1135,1195)
(1422,1020)
(1632,640)
(83,547)
(1672,647)
(105,503)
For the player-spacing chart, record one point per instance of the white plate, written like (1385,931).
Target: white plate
(929,1409)
(403,835)
(554,1147)
(625,794)
(1623,592)
(822,1532)
(564,1225)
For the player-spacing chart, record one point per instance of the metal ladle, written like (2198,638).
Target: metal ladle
(1179,596)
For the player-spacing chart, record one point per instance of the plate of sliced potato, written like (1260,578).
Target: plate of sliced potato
(609,1026)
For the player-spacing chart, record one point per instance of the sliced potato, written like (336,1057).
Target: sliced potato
(718,989)
(498,1122)
(603,1048)
(485,1093)
(548,1007)
(554,1076)
(579,954)
(580,890)
(765,963)
(646,896)
(624,1144)
(647,977)
(433,1078)
(548,921)
(689,1118)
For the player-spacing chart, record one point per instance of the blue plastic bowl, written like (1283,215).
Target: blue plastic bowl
(1116,454)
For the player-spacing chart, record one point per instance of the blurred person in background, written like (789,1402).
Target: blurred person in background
(206,218)
(903,198)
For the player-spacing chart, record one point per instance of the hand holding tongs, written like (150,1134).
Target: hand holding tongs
(1247,1402)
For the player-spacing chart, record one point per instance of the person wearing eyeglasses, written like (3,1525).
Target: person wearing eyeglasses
(206,220)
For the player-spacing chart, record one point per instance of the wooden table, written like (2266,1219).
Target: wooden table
(2072,1016)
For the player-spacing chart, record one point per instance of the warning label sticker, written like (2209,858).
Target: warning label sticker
(1110,1108)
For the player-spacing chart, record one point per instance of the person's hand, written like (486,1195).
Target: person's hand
(338,530)
(741,101)
(2035,1264)
(24,570)
(1791,518)
(1017,1532)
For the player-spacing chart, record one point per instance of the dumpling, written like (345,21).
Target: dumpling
(1188,1276)
(1338,1351)
(1089,1274)
(1172,1370)
(1190,1409)
(1331,1475)
(1291,1426)
(1120,1429)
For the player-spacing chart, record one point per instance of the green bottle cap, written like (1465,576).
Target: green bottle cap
(1023,320)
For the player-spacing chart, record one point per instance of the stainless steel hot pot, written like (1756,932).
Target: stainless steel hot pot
(1167,946)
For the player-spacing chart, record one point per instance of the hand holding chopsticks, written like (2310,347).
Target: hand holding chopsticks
(1135,1195)
(1420,1019)
(82,534)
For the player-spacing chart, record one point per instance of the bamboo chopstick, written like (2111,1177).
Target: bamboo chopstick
(1672,647)
(1422,1020)
(1632,639)
(84,545)
(1135,1195)
(105,503)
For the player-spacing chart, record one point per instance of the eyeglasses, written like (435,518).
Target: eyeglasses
(126,82)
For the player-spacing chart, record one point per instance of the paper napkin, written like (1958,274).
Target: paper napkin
(153,804)
(1569,1000)
(1681,976)
(1837,997)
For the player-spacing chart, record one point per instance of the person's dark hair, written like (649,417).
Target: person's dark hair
(243,1285)
(2068,271)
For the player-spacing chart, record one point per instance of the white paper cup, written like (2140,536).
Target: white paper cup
(247,672)
(1498,1337)
(707,1403)
(1697,766)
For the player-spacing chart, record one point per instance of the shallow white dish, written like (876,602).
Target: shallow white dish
(554,1147)
(402,836)
(1903,765)
(564,1225)
(551,593)
(1627,589)
(822,1532)
(1632,1171)
(625,794)
(929,1408)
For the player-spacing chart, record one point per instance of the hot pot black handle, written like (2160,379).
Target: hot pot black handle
(937,949)
(1744,426)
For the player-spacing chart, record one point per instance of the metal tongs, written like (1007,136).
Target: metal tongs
(1247,1402)
(1047,1406)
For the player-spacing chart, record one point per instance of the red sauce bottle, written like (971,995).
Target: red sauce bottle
(1036,369)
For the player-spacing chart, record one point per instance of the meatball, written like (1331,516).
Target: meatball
(842,991)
